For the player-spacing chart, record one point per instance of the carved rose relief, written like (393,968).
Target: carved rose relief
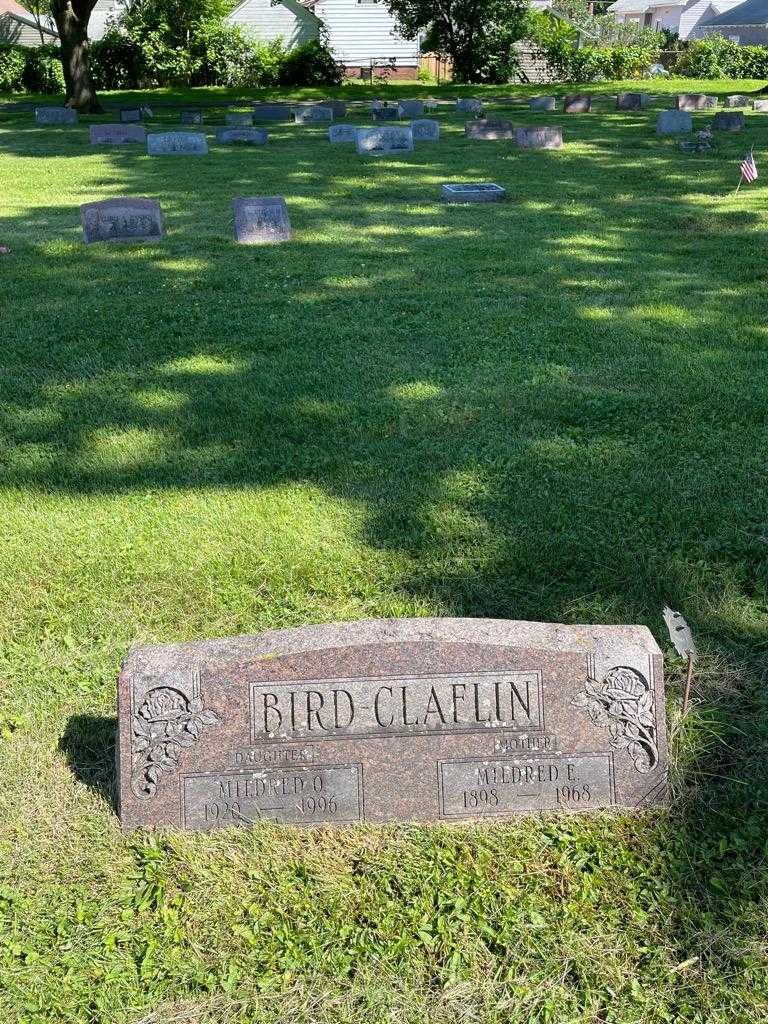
(623,703)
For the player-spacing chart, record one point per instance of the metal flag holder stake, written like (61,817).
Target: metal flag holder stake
(682,638)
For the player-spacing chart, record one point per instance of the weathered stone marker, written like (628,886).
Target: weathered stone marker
(380,141)
(242,136)
(728,121)
(473,192)
(674,122)
(238,120)
(384,113)
(177,144)
(425,129)
(271,111)
(489,130)
(629,101)
(339,107)
(761,106)
(122,220)
(261,220)
(738,100)
(342,133)
(543,103)
(695,101)
(539,138)
(117,134)
(410,108)
(131,115)
(310,113)
(191,117)
(577,104)
(391,720)
(469,106)
(55,115)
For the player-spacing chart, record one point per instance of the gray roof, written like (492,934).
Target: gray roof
(751,12)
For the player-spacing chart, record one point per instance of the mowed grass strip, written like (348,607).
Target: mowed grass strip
(553,408)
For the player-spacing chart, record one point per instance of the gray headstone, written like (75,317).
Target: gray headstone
(238,120)
(388,139)
(131,115)
(339,107)
(469,106)
(342,133)
(384,113)
(489,130)
(674,122)
(539,138)
(760,105)
(117,134)
(430,104)
(577,104)
(728,121)
(261,220)
(391,720)
(122,220)
(425,130)
(241,136)
(410,108)
(695,101)
(55,115)
(738,100)
(629,101)
(311,113)
(177,144)
(271,111)
(473,192)
(191,117)
(543,103)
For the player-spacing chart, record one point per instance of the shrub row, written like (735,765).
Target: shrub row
(27,69)
(718,57)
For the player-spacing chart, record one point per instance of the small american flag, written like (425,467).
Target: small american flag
(749,168)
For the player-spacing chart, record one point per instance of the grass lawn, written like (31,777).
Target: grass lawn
(553,409)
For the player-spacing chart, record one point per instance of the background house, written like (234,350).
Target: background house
(18,26)
(684,18)
(361,33)
(746,23)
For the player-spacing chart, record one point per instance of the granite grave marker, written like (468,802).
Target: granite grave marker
(577,104)
(384,113)
(55,115)
(131,115)
(728,121)
(177,144)
(261,220)
(342,133)
(539,137)
(191,117)
(425,129)
(271,111)
(760,105)
(238,120)
(695,101)
(674,122)
(122,220)
(469,106)
(311,113)
(738,100)
(338,107)
(543,103)
(117,134)
(241,136)
(489,130)
(629,101)
(410,108)
(391,720)
(380,141)
(473,192)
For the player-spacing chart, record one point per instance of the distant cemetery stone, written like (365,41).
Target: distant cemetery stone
(122,220)
(577,104)
(738,100)
(131,115)
(473,192)
(177,144)
(310,113)
(469,106)
(695,101)
(237,120)
(539,138)
(191,117)
(674,122)
(271,111)
(339,107)
(430,104)
(55,115)
(425,130)
(761,106)
(728,121)
(261,220)
(117,134)
(342,133)
(380,141)
(489,130)
(241,136)
(391,720)
(384,113)
(629,101)
(410,108)
(543,103)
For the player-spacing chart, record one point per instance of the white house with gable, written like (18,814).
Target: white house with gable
(361,33)
(682,18)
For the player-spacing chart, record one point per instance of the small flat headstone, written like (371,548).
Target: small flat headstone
(674,122)
(728,121)
(473,192)
(191,117)
(384,113)
(539,138)
(761,106)
(738,100)
(117,134)
(237,120)
(131,115)
(469,106)
(241,136)
(177,144)
(695,101)
(489,130)
(122,220)
(391,720)
(543,103)
(55,115)
(342,133)
(430,104)
(311,113)
(261,220)
(271,111)
(629,101)
(339,107)
(387,139)
(425,130)
(577,104)
(410,108)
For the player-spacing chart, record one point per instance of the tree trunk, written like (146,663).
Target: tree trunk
(73,37)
